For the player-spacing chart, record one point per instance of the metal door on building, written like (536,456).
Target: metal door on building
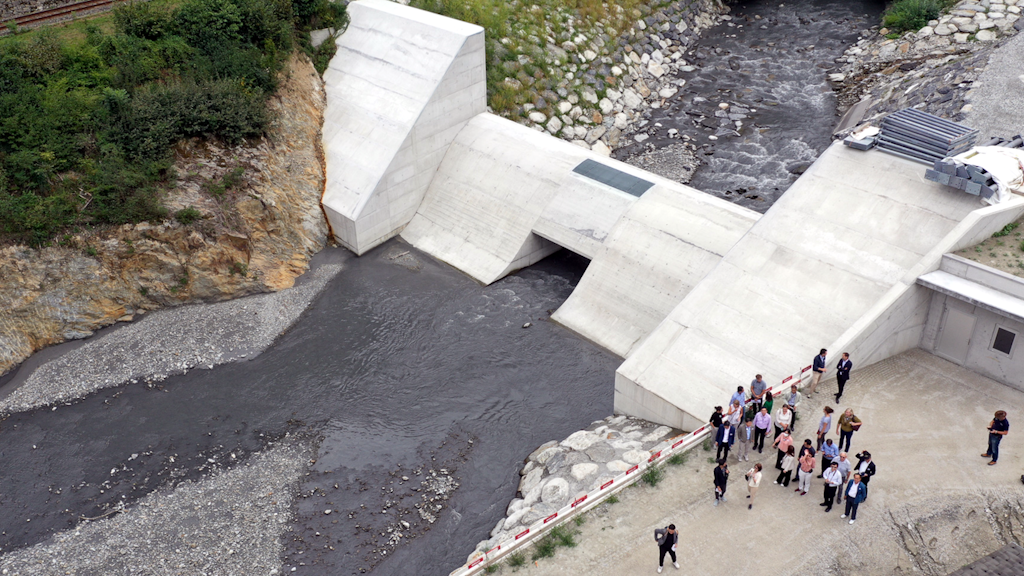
(955,335)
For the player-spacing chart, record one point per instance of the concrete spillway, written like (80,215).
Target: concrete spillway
(695,293)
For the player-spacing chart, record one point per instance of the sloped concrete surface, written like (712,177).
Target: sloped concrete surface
(842,245)
(401,86)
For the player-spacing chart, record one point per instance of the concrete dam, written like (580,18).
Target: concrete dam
(695,294)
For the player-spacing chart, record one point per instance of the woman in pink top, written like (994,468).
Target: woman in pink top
(783,442)
(805,473)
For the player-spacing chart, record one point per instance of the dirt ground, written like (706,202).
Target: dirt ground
(934,505)
(1004,253)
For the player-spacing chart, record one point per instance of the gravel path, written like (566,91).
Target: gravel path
(171,341)
(998,97)
(230,524)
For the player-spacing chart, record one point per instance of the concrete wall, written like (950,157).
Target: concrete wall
(840,249)
(401,86)
(657,252)
(501,189)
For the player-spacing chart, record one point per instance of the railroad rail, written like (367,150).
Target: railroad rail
(59,12)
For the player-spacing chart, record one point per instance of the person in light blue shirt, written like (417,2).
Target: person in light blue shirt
(829,451)
(739,395)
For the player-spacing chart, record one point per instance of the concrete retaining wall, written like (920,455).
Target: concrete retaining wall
(401,86)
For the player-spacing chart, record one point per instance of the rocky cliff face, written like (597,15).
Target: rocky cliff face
(256,236)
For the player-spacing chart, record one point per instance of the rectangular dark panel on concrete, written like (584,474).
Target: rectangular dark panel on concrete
(615,178)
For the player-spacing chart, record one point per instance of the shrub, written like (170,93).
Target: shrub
(142,19)
(678,459)
(187,215)
(1006,230)
(653,475)
(516,560)
(910,15)
(545,547)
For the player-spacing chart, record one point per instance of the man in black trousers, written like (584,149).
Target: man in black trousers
(721,480)
(667,538)
(833,479)
(866,468)
(842,375)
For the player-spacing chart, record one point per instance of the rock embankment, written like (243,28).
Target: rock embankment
(558,472)
(256,236)
(933,69)
(596,83)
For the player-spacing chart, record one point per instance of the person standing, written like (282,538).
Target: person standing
(788,465)
(855,494)
(667,538)
(735,414)
(804,473)
(829,452)
(818,370)
(866,468)
(833,479)
(744,439)
(721,479)
(784,442)
(753,477)
(997,428)
(846,426)
(716,420)
(769,401)
(761,424)
(843,373)
(845,467)
(724,440)
(824,425)
(757,389)
(783,420)
(805,449)
(738,395)
(793,400)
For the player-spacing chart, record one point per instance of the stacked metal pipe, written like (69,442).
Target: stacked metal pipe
(922,137)
(971,179)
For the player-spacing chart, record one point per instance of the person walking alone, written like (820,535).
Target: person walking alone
(721,479)
(855,494)
(724,440)
(843,373)
(744,439)
(762,422)
(667,538)
(804,473)
(753,477)
(818,370)
(833,479)
(845,427)
(824,425)
(788,465)
(997,428)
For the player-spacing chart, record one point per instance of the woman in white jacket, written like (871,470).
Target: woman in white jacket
(788,465)
(753,482)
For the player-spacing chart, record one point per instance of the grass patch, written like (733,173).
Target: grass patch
(516,560)
(558,537)
(679,459)
(912,15)
(1006,230)
(580,520)
(492,569)
(653,475)
(707,444)
(613,499)
(187,215)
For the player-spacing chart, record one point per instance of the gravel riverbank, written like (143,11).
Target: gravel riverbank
(171,341)
(231,523)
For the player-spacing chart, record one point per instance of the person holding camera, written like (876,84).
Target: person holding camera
(721,479)
(753,477)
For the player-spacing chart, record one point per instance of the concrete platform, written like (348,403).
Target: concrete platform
(833,264)
(933,506)
(401,86)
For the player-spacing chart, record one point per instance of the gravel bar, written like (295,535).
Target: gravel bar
(168,342)
(230,523)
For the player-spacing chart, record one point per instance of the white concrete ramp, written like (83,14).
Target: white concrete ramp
(831,259)
(401,86)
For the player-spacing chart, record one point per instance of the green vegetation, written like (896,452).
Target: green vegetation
(188,215)
(560,536)
(516,560)
(613,499)
(912,15)
(89,113)
(1006,230)
(679,459)
(652,475)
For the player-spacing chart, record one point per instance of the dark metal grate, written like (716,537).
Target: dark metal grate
(615,178)
(920,136)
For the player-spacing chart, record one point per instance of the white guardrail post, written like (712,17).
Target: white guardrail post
(528,536)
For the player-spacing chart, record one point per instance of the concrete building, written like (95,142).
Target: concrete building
(696,294)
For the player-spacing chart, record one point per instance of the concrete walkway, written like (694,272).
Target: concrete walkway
(998,97)
(934,504)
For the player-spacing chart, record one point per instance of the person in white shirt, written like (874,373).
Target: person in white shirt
(833,479)
(855,492)
(753,482)
(784,417)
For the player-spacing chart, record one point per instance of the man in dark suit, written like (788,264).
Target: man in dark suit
(724,440)
(818,370)
(866,468)
(843,373)
(721,479)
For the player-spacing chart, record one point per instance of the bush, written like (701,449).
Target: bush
(516,560)
(652,476)
(188,215)
(910,15)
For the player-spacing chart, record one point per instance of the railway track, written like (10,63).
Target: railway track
(44,16)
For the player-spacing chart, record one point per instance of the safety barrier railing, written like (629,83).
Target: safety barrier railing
(660,453)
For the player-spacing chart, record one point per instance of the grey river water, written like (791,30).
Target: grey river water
(395,368)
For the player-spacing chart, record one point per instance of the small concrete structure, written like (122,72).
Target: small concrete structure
(401,86)
(833,264)
(975,317)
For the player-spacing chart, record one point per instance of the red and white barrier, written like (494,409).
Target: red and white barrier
(659,453)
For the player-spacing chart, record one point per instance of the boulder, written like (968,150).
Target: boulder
(581,471)
(618,466)
(986,36)
(580,440)
(601,148)
(655,69)
(943,29)
(631,99)
(514,506)
(606,106)
(601,452)
(538,512)
(555,492)
(554,125)
(546,455)
(537,117)
(635,456)
(531,480)
(515,517)
(497,527)
(656,434)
